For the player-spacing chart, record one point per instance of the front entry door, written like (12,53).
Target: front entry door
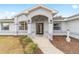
(39,28)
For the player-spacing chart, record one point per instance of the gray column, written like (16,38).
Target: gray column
(50,29)
(29,27)
(0,27)
(16,25)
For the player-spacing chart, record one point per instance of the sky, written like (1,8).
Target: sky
(8,10)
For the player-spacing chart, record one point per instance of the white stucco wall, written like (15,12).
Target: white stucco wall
(73,26)
(12,27)
(43,12)
(0,27)
(63,26)
(22,18)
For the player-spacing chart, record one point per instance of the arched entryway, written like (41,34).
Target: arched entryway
(40,24)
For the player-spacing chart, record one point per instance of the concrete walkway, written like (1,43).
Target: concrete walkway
(45,45)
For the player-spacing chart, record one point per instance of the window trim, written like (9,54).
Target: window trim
(3,27)
(24,25)
(57,27)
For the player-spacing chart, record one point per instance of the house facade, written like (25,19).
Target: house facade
(40,20)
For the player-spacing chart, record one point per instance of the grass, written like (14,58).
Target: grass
(18,45)
(10,45)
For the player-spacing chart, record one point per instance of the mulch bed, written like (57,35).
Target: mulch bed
(68,48)
(39,51)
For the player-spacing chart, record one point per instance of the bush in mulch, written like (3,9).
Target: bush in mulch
(29,47)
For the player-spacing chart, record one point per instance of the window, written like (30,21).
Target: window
(5,26)
(23,25)
(57,26)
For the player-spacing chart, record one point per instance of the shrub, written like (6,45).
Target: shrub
(24,40)
(28,39)
(23,37)
(28,46)
(31,48)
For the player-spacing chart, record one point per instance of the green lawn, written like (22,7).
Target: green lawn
(10,45)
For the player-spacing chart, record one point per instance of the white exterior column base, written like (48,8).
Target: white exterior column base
(50,37)
(68,38)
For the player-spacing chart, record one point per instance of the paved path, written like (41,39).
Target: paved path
(45,45)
